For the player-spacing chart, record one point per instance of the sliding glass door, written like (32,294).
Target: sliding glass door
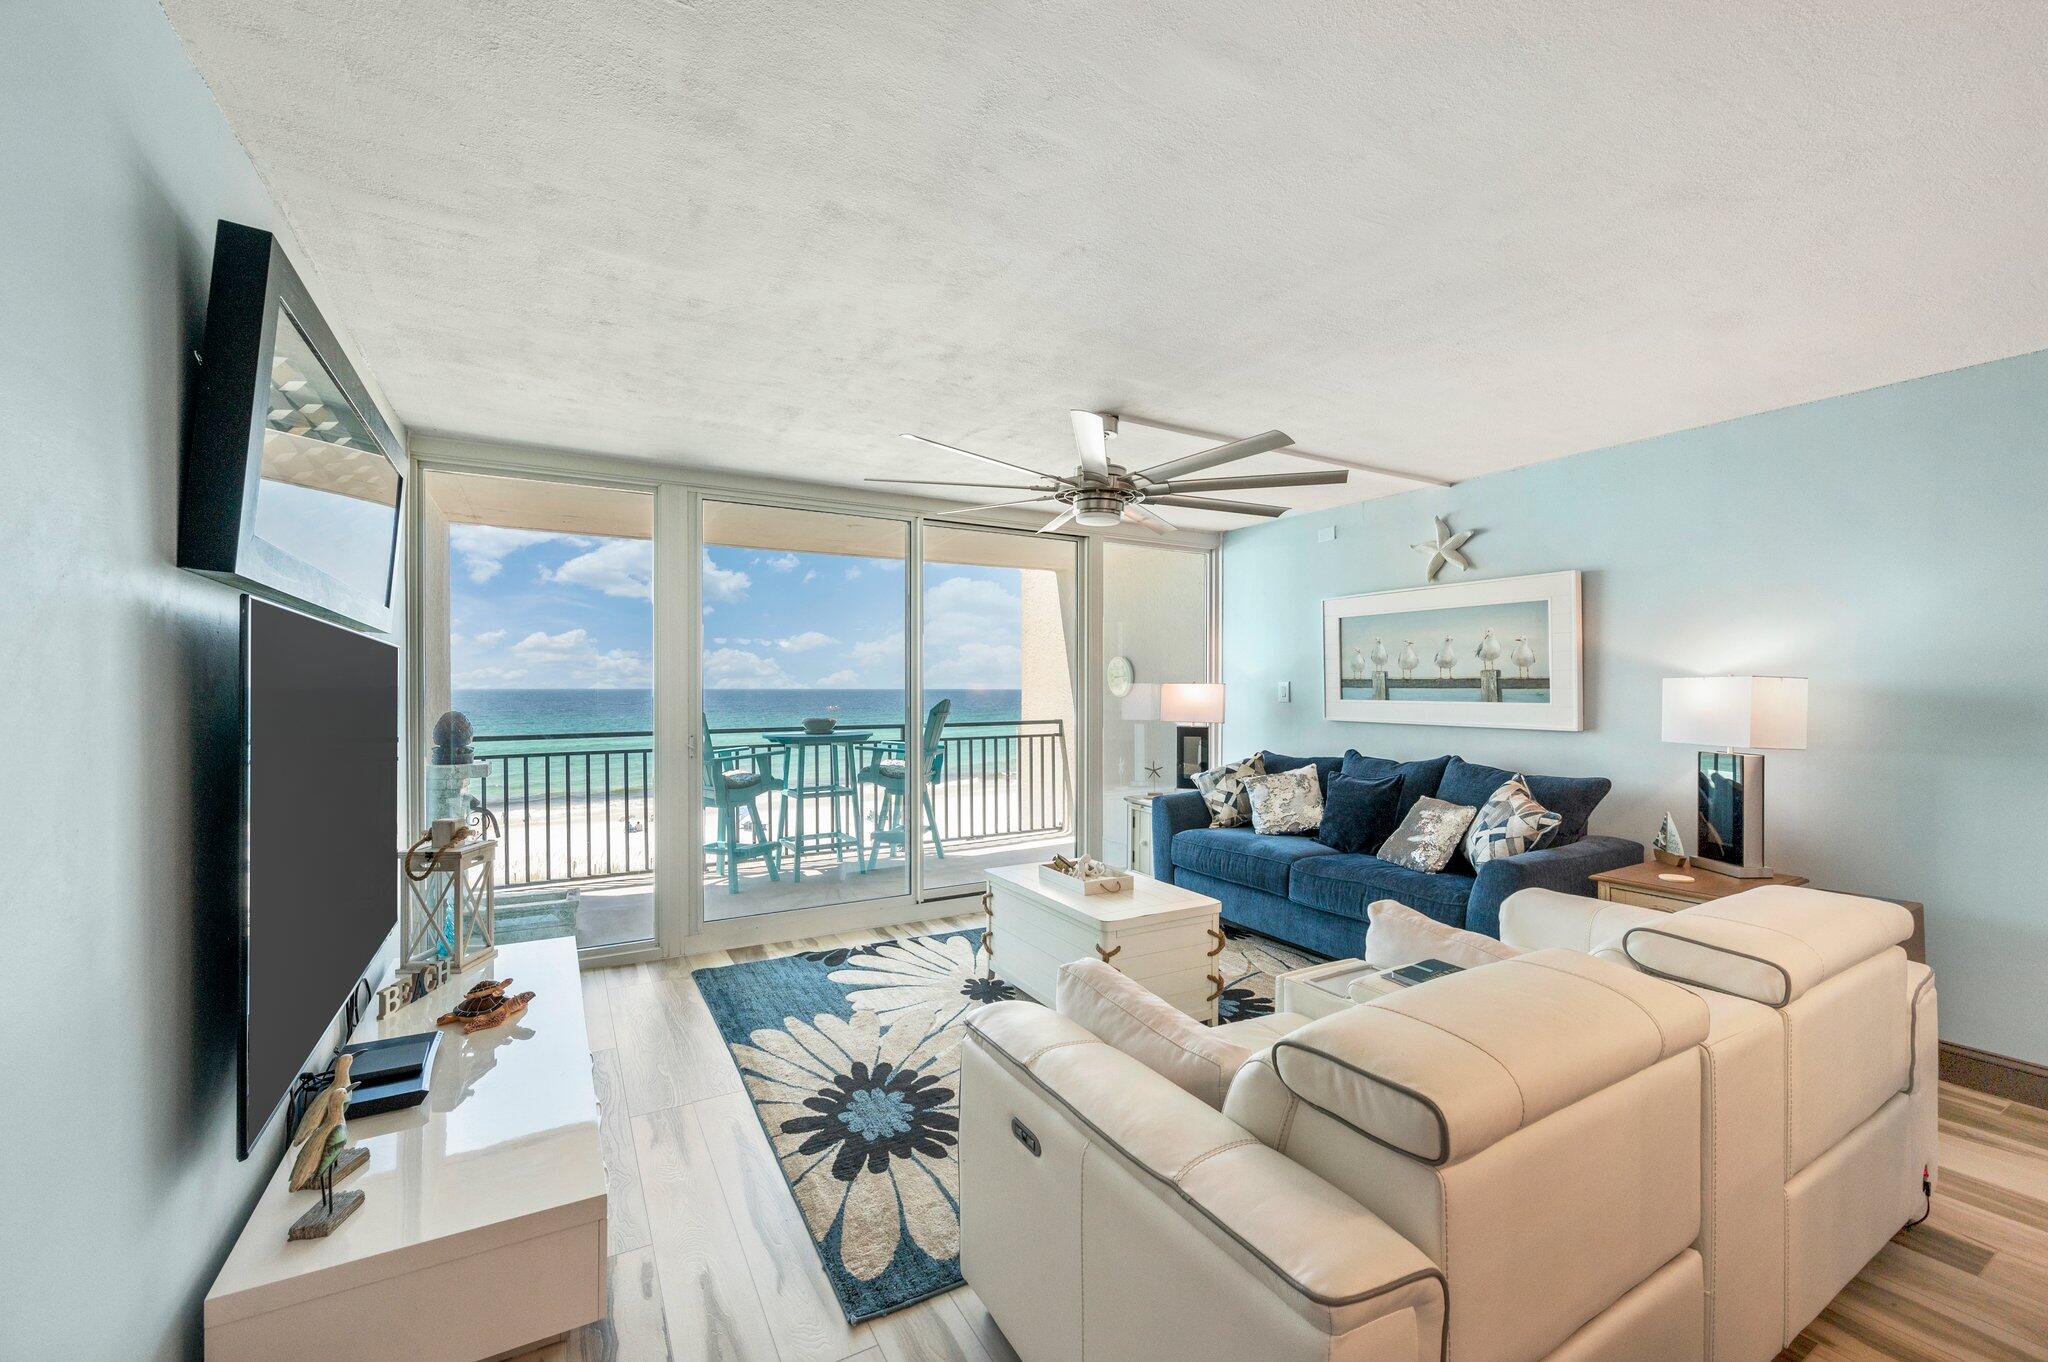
(803,734)
(996,774)
(536,606)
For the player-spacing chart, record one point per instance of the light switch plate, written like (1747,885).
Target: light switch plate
(1286,692)
(1326,534)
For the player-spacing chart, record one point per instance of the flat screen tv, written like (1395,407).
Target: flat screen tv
(320,829)
(292,477)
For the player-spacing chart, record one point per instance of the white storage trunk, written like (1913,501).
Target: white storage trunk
(1164,937)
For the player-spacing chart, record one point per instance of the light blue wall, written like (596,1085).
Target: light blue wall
(119,1188)
(1891,545)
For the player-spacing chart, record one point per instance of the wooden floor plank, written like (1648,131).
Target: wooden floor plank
(803,1314)
(626,1227)
(930,1331)
(597,1011)
(708,1298)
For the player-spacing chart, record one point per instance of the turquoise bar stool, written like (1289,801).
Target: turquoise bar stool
(888,775)
(735,778)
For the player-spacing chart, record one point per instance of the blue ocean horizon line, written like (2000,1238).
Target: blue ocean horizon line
(566,713)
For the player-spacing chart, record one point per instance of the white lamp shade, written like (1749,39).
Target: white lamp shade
(1735,711)
(1141,702)
(1189,702)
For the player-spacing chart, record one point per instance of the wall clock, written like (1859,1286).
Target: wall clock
(1119,675)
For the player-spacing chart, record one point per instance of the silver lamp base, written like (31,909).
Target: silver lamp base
(1731,831)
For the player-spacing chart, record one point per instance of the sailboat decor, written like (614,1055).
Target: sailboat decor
(1669,848)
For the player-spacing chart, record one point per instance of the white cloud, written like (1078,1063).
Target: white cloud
(852,573)
(487,678)
(483,549)
(545,647)
(970,635)
(806,641)
(783,563)
(490,636)
(811,575)
(617,567)
(739,669)
(843,677)
(886,649)
(724,584)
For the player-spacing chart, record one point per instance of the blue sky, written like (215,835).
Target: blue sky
(531,609)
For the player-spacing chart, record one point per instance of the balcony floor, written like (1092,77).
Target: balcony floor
(620,910)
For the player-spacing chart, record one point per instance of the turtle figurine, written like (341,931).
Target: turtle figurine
(487,1005)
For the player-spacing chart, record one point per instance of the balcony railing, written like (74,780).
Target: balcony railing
(581,806)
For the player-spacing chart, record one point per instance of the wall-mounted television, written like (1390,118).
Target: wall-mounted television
(320,835)
(292,478)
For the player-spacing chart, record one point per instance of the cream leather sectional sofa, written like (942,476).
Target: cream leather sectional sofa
(1650,1136)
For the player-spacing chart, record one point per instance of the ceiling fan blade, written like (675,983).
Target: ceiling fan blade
(1062,518)
(1211,504)
(992,506)
(985,458)
(1150,518)
(1327,478)
(1209,458)
(941,482)
(1089,438)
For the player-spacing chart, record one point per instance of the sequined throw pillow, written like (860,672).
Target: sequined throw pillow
(1286,801)
(1428,835)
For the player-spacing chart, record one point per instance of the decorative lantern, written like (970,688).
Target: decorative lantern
(449,910)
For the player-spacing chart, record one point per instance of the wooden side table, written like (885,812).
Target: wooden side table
(1668,888)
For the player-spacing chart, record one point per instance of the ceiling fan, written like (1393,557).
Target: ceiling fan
(1100,493)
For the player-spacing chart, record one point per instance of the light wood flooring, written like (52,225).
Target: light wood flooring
(710,1259)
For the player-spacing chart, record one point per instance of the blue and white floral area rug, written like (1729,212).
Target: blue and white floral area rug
(851,1058)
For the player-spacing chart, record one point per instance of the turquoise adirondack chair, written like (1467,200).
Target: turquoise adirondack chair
(886,773)
(735,778)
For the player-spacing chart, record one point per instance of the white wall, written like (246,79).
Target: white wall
(1155,611)
(119,1187)
(1889,545)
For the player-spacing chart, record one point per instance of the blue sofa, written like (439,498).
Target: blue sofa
(1296,889)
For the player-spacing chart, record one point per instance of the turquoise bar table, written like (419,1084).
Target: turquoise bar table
(821,766)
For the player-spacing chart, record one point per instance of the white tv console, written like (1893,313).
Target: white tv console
(483,1234)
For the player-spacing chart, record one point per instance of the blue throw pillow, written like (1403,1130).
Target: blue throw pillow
(1572,798)
(1359,815)
(1419,779)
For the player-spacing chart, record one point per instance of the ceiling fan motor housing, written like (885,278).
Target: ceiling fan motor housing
(1095,507)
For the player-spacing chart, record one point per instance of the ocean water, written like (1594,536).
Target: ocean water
(553,731)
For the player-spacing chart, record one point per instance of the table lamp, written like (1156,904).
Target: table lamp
(1733,713)
(1194,707)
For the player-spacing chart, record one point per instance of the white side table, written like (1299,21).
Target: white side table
(1138,816)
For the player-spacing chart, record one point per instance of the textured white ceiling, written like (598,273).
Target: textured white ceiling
(767,236)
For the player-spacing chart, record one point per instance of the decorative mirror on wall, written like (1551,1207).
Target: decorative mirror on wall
(1494,654)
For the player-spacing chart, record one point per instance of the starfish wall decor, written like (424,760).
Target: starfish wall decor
(1447,548)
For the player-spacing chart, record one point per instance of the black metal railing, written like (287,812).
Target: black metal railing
(582,806)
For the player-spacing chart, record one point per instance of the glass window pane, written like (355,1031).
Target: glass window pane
(538,628)
(1155,612)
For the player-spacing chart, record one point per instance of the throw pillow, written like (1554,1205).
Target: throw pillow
(1510,823)
(1271,762)
(1286,801)
(1573,797)
(1418,778)
(1428,835)
(1397,935)
(1222,790)
(1359,814)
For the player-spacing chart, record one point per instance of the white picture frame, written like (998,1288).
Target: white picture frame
(1541,610)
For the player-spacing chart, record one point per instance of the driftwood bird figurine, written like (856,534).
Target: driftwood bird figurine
(324,1113)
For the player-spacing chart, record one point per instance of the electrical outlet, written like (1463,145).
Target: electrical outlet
(1286,692)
